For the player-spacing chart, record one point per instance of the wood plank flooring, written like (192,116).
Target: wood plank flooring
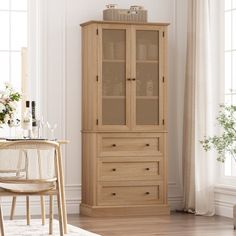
(175,224)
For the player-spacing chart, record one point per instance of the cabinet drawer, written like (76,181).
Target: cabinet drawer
(136,145)
(142,170)
(130,195)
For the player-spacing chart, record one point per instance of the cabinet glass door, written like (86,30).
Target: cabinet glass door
(114,91)
(147,78)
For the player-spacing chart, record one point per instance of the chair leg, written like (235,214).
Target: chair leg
(61,175)
(13,207)
(51,215)
(41,197)
(42,209)
(59,196)
(27,210)
(1,222)
(60,214)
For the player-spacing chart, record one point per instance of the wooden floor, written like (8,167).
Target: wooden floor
(175,224)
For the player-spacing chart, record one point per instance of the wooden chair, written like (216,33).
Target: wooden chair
(29,181)
(13,207)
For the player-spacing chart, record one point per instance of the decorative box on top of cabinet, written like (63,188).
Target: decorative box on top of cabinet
(124,119)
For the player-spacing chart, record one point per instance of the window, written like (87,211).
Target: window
(13,41)
(230,68)
(14,34)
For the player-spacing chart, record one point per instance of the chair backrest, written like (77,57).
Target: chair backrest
(28,159)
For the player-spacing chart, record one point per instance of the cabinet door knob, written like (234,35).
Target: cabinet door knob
(133,79)
(147,144)
(147,193)
(113,194)
(147,168)
(113,145)
(129,79)
(114,169)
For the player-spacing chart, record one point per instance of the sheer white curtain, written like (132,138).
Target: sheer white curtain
(203,94)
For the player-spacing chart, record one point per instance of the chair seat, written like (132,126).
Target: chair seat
(27,187)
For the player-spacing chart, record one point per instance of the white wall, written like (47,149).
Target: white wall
(61,79)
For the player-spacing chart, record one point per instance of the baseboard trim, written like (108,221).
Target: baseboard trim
(225,200)
(175,202)
(72,206)
(73,193)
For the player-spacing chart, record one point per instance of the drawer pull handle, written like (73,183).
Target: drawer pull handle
(147,193)
(113,194)
(147,168)
(114,169)
(147,144)
(113,145)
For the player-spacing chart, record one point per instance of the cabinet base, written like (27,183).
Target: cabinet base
(137,210)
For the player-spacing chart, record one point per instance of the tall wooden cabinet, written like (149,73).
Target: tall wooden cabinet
(124,127)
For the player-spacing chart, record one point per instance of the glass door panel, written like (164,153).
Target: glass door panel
(114,77)
(147,77)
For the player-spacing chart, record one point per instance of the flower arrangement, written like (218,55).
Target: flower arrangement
(224,144)
(8,105)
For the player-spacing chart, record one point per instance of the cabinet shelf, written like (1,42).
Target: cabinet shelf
(113,97)
(113,60)
(123,61)
(148,97)
(138,97)
(148,61)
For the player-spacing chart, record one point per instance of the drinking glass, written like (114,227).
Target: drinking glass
(52,128)
(41,127)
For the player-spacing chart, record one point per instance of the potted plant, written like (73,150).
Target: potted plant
(224,144)
(8,105)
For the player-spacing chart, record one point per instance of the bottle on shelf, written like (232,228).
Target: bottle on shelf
(27,121)
(34,120)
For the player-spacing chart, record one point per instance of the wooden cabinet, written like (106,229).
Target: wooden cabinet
(124,127)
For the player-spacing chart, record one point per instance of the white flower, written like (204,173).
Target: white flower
(6,118)
(13,105)
(6,94)
(8,105)
(8,85)
(2,107)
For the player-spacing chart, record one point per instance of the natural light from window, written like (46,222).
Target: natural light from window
(230,68)
(14,37)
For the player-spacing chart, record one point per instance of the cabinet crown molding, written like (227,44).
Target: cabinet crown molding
(124,22)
